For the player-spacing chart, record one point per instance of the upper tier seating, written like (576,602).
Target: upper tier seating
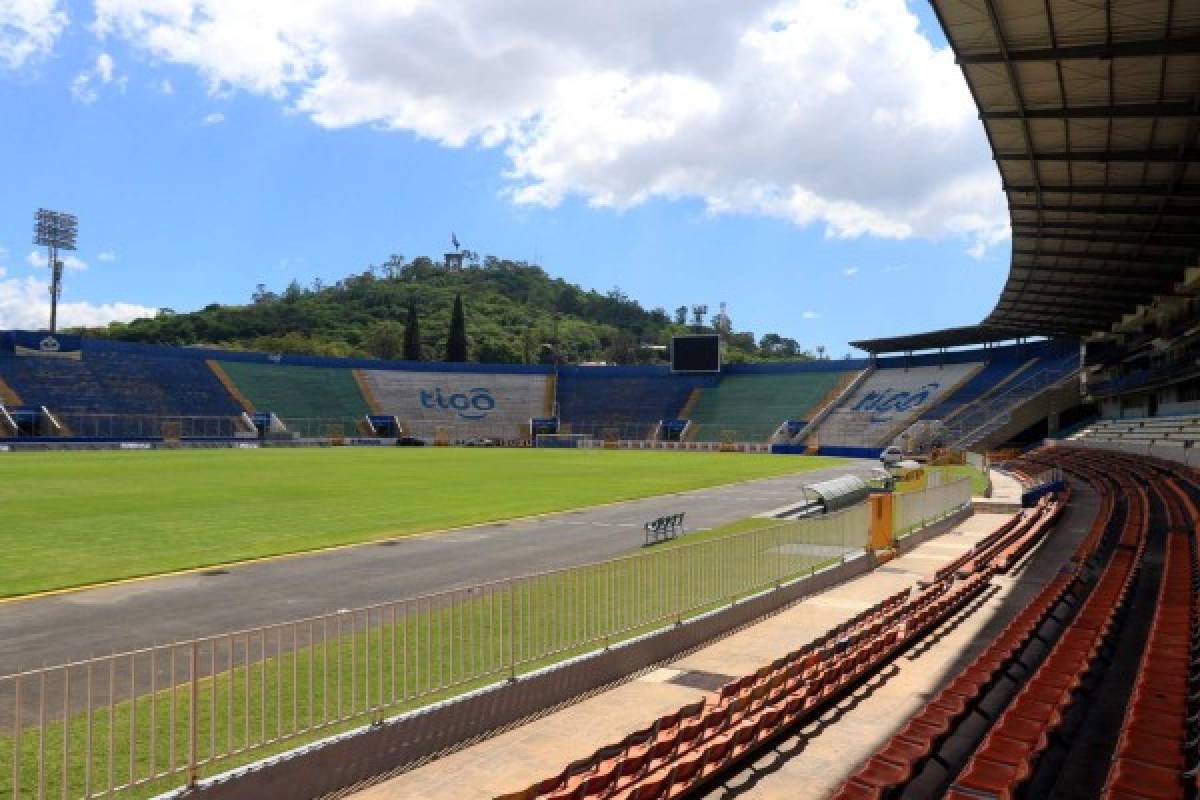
(974,422)
(627,405)
(1169,431)
(118,383)
(753,406)
(983,382)
(889,401)
(296,394)
(466,405)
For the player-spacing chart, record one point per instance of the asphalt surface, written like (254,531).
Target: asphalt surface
(57,629)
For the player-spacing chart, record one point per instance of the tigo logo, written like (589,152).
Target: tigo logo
(891,400)
(473,404)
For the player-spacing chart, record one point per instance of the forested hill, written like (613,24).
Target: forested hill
(514,312)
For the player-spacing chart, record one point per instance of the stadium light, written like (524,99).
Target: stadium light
(55,230)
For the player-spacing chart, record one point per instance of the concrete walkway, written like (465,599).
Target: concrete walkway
(810,765)
(1006,494)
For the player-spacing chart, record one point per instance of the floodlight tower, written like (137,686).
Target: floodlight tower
(55,230)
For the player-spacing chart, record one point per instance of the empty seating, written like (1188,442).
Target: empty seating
(888,401)
(622,402)
(681,750)
(982,383)
(297,394)
(1155,756)
(465,405)
(752,406)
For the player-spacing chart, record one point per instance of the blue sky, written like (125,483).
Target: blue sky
(680,166)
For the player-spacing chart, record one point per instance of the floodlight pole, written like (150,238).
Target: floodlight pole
(55,230)
(56,268)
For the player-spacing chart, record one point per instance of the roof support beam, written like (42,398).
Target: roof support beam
(1135,238)
(1158,155)
(1107,289)
(1081,208)
(1116,111)
(1148,190)
(1052,316)
(1147,47)
(1100,260)
(1185,231)
(1019,296)
(1099,272)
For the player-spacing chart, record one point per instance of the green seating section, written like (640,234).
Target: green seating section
(299,393)
(752,406)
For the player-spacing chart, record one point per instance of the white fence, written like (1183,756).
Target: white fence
(913,510)
(149,720)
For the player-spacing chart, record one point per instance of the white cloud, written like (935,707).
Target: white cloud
(166,87)
(106,256)
(25,303)
(28,30)
(215,118)
(810,315)
(102,72)
(850,272)
(837,113)
(37,258)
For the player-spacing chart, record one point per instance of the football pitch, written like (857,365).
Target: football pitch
(77,518)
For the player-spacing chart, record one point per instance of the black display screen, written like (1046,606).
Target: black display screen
(696,353)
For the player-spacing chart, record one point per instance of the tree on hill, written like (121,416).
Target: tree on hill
(385,340)
(412,333)
(456,342)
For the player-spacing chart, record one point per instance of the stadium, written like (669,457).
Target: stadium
(965,564)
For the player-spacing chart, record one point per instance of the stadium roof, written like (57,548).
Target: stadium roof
(1092,110)
(935,340)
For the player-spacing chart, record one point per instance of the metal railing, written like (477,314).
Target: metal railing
(149,426)
(913,510)
(994,412)
(145,721)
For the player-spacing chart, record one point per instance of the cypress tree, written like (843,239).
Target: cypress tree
(412,333)
(456,343)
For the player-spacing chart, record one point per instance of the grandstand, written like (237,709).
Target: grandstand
(623,402)
(887,403)
(316,400)
(752,406)
(463,405)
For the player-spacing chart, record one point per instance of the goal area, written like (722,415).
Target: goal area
(574,440)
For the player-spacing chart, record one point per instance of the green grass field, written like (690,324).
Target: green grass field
(77,518)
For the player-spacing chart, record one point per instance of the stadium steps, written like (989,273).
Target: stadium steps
(8,397)
(992,378)
(989,415)
(230,386)
(550,397)
(837,396)
(368,394)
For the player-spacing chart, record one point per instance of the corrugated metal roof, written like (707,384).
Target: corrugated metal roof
(1092,110)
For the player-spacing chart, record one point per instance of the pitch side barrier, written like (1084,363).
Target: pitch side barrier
(162,717)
